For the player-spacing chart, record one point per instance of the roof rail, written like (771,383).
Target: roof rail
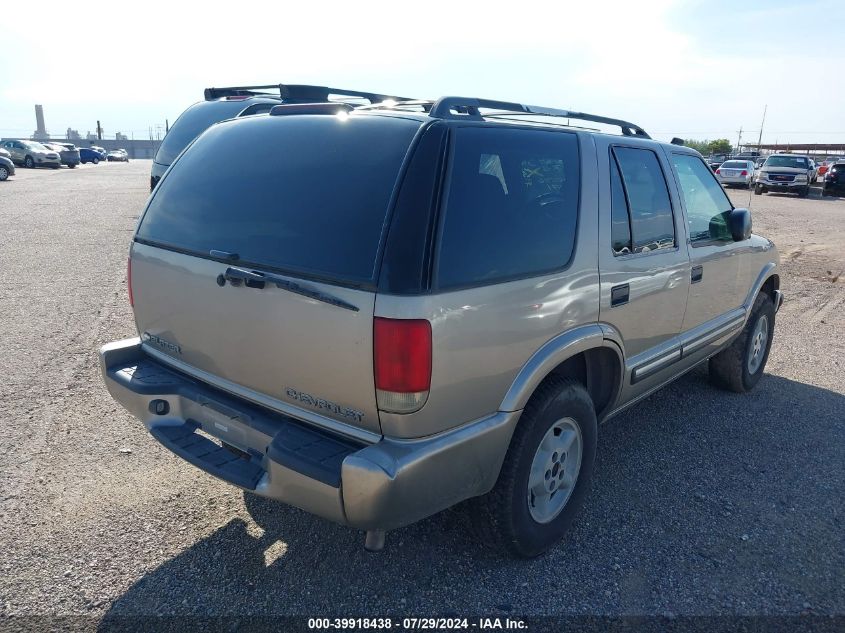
(298,93)
(239,91)
(469,108)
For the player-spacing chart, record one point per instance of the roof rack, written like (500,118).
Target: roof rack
(297,93)
(469,108)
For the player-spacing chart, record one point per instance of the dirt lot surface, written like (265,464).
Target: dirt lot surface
(705,502)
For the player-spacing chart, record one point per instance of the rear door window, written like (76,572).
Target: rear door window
(647,204)
(307,194)
(512,205)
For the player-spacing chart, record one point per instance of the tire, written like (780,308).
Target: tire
(95,160)
(4,173)
(506,518)
(72,166)
(758,190)
(28,162)
(733,368)
(803,192)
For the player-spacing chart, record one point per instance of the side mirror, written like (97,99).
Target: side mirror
(739,222)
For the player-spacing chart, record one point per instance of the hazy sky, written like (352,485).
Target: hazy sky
(690,69)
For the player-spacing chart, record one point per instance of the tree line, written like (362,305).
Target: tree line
(706,148)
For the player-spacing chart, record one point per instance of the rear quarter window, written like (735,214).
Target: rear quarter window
(511,208)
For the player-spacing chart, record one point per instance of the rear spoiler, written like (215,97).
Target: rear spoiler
(298,93)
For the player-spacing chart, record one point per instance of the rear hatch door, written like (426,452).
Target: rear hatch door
(254,264)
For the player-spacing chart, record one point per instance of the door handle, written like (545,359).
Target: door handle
(619,295)
(696,274)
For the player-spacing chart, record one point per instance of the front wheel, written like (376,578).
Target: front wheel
(546,473)
(739,367)
(758,190)
(95,160)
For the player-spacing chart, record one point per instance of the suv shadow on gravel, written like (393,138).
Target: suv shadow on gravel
(701,513)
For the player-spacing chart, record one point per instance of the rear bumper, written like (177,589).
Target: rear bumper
(379,486)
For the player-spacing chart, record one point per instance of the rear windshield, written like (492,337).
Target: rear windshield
(192,123)
(307,194)
(736,164)
(795,162)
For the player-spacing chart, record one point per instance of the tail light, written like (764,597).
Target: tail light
(402,363)
(129,282)
(718,172)
(744,172)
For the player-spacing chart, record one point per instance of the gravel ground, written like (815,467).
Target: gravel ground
(705,503)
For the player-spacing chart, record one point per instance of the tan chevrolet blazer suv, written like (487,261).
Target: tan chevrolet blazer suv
(379,312)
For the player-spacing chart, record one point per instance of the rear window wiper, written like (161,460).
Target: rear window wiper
(255,279)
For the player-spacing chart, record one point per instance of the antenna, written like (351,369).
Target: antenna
(759,142)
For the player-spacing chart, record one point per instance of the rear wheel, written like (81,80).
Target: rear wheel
(28,162)
(803,192)
(740,366)
(546,473)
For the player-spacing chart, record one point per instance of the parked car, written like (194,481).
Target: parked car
(736,173)
(67,152)
(834,180)
(31,154)
(785,173)
(241,101)
(90,155)
(716,160)
(7,167)
(456,323)
(119,155)
(826,164)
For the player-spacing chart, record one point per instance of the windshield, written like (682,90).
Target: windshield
(794,162)
(193,122)
(307,194)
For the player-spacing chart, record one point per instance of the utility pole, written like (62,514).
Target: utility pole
(166,126)
(739,140)
(99,131)
(760,138)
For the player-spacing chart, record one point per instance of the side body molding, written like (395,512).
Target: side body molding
(549,356)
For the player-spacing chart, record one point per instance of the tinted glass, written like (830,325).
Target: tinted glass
(735,164)
(707,204)
(620,223)
(512,207)
(652,226)
(796,162)
(307,193)
(192,123)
